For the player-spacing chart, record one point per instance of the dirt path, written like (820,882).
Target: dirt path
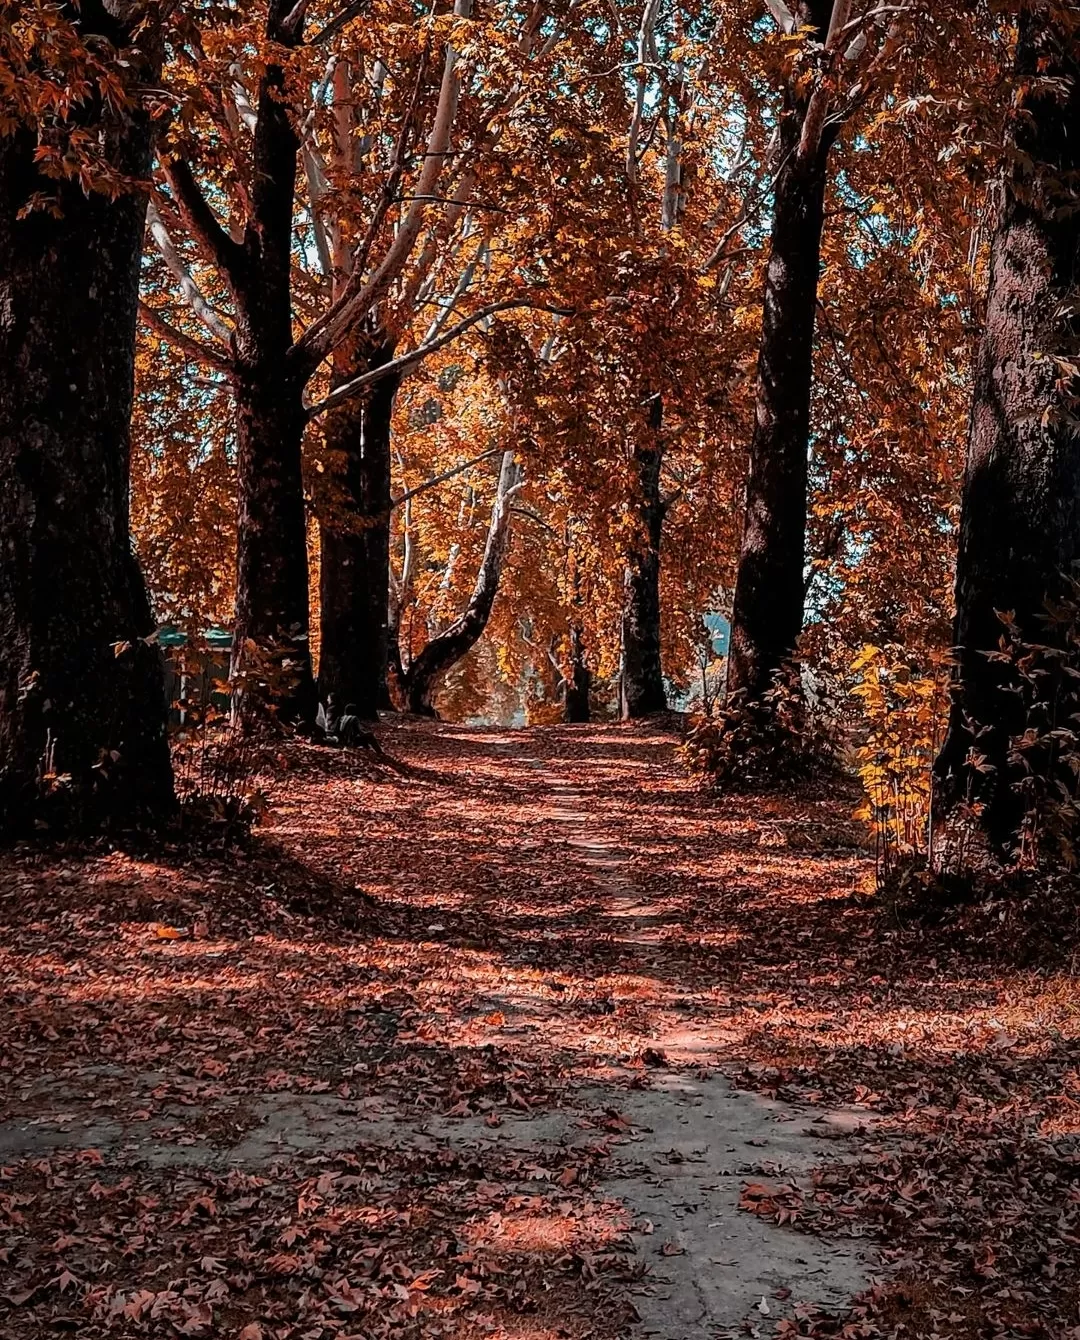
(521,1037)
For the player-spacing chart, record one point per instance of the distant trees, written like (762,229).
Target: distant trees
(422,674)
(82,704)
(1020,521)
(641,681)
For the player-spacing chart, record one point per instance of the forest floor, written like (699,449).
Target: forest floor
(522,1035)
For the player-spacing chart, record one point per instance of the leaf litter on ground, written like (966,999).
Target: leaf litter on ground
(482,930)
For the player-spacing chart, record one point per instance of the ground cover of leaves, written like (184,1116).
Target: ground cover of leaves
(478,928)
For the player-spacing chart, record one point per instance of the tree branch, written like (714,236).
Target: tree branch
(810,140)
(406,362)
(339,21)
(359,296)
(446,474)
(201,221)
(175,264)
(199,352)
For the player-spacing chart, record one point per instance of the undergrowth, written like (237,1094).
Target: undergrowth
(788,737)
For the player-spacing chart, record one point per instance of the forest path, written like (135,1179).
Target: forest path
(520,1035)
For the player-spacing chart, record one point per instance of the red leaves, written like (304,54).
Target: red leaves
(290,1035)
(779,1201)
(200,1206)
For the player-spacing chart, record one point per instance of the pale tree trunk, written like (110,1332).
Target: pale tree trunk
(400,586)
(82,699)
(427,670)
(1020,520)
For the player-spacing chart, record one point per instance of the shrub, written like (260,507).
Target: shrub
(788,736)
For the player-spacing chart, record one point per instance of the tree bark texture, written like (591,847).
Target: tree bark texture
(642,681)
(271,662)
(82,698)
(354,528)
(767,614)
(1020,517)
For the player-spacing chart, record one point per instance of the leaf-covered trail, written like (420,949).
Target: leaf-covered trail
(392,1072)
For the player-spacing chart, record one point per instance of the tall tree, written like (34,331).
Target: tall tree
(767,612)
(271,654)
(1020,521)
(817,100)
(641,680)
(577,684)
(82,701)
(354,546)
(391,164)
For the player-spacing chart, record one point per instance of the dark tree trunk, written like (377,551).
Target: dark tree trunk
(354,646)
(395,667)
(767,615)
(426,671)
(576,707)
(271,662)
(82,699)
(642,680)
(1020,520)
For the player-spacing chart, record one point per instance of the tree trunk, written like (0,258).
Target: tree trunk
(427,670)
(1020,519)
(354,649)
(271,663)
(642,681)
(82,699)
(767,615)
(576,708)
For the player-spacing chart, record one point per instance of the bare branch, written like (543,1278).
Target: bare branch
(200,219)
(783,16)
(199,352)
(336,24)
(315,178)
(322,335)
(810,140)
(175,264)
(406,362)
(446,474)
(646,57)
(460,289)
(293,21)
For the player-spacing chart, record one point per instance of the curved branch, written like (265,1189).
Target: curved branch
(174,263)
(446,474)
(405,363)
(199,352)
(448,647)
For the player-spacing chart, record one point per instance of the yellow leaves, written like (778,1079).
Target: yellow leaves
(905,708)
(866,656)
